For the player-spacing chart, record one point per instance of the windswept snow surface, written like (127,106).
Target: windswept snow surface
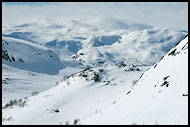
(88,73)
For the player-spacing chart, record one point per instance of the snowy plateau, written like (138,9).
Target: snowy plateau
(104,71)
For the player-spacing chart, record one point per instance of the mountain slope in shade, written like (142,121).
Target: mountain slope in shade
(30,56)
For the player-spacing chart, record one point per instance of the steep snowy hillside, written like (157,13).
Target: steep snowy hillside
(159,97)
(29,56)
(112,95)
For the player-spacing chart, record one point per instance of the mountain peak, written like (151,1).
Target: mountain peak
(118,23)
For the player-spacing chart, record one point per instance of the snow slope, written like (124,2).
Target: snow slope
(159,97)
(29,67)
(30,56)
(75,97)
(18,83)
(111,95)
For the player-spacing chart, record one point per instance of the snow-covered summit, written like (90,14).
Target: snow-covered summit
(116,23)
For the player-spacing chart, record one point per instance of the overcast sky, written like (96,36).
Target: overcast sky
(169,14)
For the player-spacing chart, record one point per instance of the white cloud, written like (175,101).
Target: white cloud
(169,14)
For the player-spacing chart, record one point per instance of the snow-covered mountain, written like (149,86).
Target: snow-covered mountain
(160,96)
(114,23)
(98,95)
(138,47)
(88,73)
(75,41)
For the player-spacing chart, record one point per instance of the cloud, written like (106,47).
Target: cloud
(171,14)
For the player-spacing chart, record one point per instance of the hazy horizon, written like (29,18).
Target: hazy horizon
(164,14)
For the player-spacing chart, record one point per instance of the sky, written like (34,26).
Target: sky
(165,14)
